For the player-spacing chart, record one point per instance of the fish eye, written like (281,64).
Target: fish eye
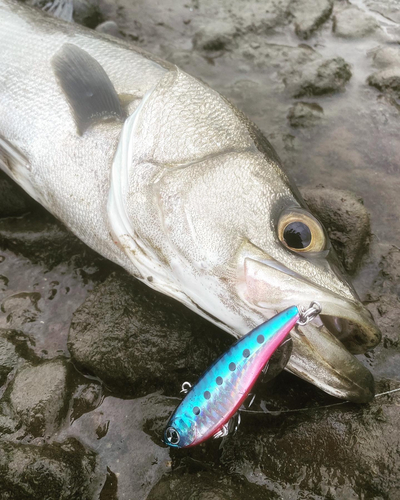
(172,436)
(301,232)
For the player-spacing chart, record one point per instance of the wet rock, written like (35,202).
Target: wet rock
(387,80)
(207,485)
(9,358)
(354,23)
(137,341)
(59,471)
(310,15)
(128,433)
(304,114)
(384,57)
(88,13)
(388,8)
(319,78)
(346,221)
(13,199)
(86,398)
(23,344)
(3,283)
(39,396)
(289,62)
(41,238)
(8,423)
(109,28)
(21,308)
(342,453)
(384,298)
(258,17)
(110,488)
(215,36)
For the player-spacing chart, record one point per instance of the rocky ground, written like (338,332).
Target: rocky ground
(91,361)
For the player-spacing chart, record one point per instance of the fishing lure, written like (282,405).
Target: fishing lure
(219,393)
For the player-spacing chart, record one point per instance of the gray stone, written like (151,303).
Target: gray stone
(319,78)
(39,396)
(8,425)
(215,36)
(354,23)
(137,341)
(387,80)
(309,15)
(305,114)
(13,199)
(21,308)
(57,471)
(386,56)
(346,221)
(88,13)
(109,28)
(8,356)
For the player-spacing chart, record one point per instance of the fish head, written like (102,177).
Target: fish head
(180,431)
(211,219)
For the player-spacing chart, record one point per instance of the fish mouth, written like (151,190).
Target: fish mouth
(323,350)
(321,358)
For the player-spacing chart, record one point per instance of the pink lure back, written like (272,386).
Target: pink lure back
(221,390)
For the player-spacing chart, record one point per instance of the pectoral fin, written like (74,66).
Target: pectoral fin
(87,87)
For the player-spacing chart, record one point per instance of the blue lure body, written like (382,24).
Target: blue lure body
(221,390)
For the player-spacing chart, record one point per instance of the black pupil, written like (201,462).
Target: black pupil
(297,235)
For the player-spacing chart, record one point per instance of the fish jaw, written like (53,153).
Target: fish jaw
(318,356)
(321,359)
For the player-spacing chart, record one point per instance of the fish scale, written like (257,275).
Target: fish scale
(222,389)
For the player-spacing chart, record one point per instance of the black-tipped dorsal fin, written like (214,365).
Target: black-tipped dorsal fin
(87,87)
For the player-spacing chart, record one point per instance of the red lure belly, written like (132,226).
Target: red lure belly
(225,385)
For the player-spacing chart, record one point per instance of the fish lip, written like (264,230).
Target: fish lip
(367,337)
(337,372)
(318,356)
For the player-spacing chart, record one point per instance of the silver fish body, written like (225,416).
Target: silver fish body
(178,187)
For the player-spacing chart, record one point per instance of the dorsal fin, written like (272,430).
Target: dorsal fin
(87,87)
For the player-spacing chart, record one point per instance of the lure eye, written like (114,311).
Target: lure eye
(172,436)
(301,232)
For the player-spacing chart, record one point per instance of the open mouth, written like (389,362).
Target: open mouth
(350,334)
(323,349)
(322,354)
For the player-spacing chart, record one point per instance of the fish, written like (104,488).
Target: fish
(162,175)
(222,389)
